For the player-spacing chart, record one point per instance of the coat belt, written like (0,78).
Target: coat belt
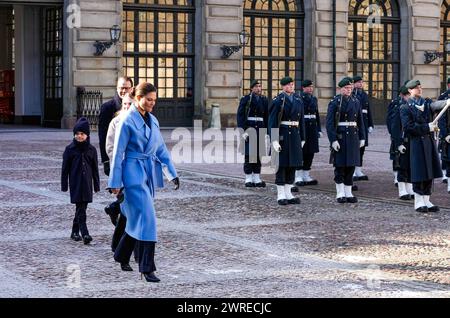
(255,119)
(347,123)
(289,123)
(155,167)
(310,116)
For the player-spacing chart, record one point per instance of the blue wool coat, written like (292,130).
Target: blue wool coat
(139,157)
(347,136)
(424,157)
(290,137)
(312,126)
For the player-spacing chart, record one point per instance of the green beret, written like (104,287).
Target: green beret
(412,84)
(357,78)
(448,80)
(286,80)
(345,81)
(307,83)
(253,83)
(404,90)
(406,82)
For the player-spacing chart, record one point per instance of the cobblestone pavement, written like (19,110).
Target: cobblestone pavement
(217,238)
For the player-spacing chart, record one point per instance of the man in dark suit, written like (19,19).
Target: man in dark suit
(107,111)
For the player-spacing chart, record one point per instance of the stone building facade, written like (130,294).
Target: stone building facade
(177,45)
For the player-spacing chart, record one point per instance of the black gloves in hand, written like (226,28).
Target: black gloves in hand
(106,167)
(176,182)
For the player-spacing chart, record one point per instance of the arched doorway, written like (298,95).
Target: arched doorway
(276,43)
(158,41)
(374,49)
(445,36)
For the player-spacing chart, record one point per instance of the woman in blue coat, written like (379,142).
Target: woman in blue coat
(139,157)
(418,128)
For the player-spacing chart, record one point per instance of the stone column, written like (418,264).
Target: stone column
(426,37)
(87,70)
(324,48)
(223,77)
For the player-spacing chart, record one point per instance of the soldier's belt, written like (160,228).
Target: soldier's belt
(365,111)
(347,123)
(310,116)
(289,123)
(255,118)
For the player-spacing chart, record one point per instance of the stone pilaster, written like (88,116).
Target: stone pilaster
(223,77)
(324,48)
(425,22)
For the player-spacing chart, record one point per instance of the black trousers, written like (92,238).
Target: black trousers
(362,150)
(250,168)
(79,221)
(423,188)
(118,231)
(344,175)
(145,250)
(307,161)
(285,175)
(404,174)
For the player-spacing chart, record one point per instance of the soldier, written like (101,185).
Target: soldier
(444,126)
(253,113)
(445,95)
(418,128)
(287,132)
(345,128)
(363,98)
(399,151)
(313,132)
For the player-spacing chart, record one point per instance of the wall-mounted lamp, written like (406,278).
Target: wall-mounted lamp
(101,47)
(244,37)
(433,55)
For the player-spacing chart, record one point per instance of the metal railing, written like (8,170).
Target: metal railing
(88,105)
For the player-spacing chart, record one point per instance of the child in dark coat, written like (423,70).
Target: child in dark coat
(80,166)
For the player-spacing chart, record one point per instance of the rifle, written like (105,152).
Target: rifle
(247,107)
(337,118)
(280,114)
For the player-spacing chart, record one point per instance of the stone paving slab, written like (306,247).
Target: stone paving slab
(218,238)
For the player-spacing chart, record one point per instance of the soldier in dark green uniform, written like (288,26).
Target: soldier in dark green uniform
(345,128)
(287,132)
(419,129)
(252,117)
(361,95)
(445,95)
(313,133)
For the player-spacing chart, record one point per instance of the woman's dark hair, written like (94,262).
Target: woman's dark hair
(143,89)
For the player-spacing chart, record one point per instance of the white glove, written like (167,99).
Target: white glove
(362,143)
(336,146)
(370,130)
(320,134)
(447,139)
(245,136)
(432,127)
(276,146)
(303,143)
(401,149)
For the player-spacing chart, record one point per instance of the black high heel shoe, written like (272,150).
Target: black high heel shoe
(150,277)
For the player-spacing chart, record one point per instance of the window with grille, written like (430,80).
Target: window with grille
(158,39)
(276,43)
(374,44)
